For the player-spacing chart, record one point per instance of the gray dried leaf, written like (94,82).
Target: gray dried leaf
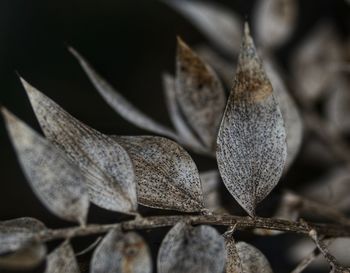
(218,23)
(55,180)
(199,93)
(274,21)
(122,106)
(62,259)
(25,258)
(290,113)
(106,165)
(249,260)
(166,176)
(122,253)
(18,233)
(313,62)
(185,133)
(192,250)
(211,189)
(251,145)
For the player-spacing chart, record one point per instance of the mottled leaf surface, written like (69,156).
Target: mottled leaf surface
(122,253)
(121,105)
(167,177)
(274,21)
(17,233)
(186,136)
(199,93)
(249,260)
(55,180)
(192,250)
(251,145)
(218,23)
(62,260)
(106,165)
(292,120)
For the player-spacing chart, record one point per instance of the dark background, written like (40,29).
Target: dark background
(130,43)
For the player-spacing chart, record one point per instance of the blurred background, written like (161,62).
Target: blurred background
(130,43)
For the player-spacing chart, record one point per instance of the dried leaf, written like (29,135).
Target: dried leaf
(251,148)
(106,165)
(192,250)
(313,62)
(55,180)
(61,260)
(185,133)
(249,260)
(122,253)
(199,93)
(119,103)
(218,23)
(166,175)
(290,113)
(18,233)
(274,21)
(25,258)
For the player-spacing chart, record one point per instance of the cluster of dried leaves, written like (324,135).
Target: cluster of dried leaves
(254,134)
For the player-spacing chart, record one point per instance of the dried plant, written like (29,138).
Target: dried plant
(254,135)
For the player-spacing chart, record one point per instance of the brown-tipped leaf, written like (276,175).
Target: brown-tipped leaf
(121,253)
(62,260)
(121,105)
(55,180)
(167,177)
(251,145)
(192,249)
(218,23)
(106,165)
(199,93)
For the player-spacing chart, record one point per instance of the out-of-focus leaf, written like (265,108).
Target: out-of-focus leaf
(122,253)
(25,258)
(166,175)
(249,260)
(314,61)
(55,180)
(274,21)
(62,260)
(119,103)
(106,165)
(186,135)
(17,233)
(199,93)
(251,149)
(338,105)
(218,23)
(192,249)
(291,116)
(211,185)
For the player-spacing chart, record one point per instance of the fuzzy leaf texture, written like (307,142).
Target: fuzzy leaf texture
(55,180)
(106,165)
(251,145)
(121,253)
(192,249)
(166,176)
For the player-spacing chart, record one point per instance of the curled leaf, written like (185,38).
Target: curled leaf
(245,258)
(106,165)
(122,253)
(166,175)
(119,103)
(274,21)
(199,93)
(55,180)
(62,259)
(18,233)
(251,145)
(192,250)
(218,23)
